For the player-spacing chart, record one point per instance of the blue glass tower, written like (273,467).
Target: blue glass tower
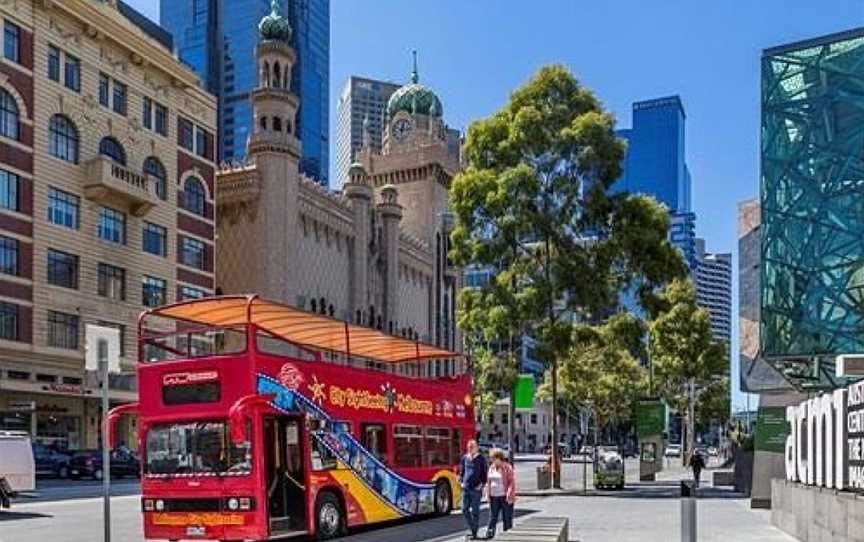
(656,165)
(225,57)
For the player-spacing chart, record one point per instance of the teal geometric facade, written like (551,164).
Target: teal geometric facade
(812,195)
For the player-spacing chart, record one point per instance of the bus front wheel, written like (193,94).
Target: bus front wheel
(443,498)
(329,517)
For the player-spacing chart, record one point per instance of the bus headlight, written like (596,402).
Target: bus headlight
(148,505)
(233,504)
(245,503)
(160,505)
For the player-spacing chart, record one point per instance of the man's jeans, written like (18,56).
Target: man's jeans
(471,508)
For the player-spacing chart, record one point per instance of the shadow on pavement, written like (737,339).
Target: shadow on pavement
(667,490)
(441,528)
(9,516)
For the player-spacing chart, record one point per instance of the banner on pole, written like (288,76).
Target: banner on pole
(523,391)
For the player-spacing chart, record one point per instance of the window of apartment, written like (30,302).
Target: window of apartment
(153,291)
(112,148)
(147,114)
(119,102)
(407,445)
(155,239)
(112,225)
(9,125)
(188,292)
(63,208)
(62,330)
(104,83)
(72,73)
(53,63)
(12,41)
(193,196)
(62,269)
(154,168)
(8,255)
(193,253)
(533,419)
(18,375)
(161,119)
(111,282)
(185,135)
(63,139)
(9,190)
(200,141)
(9,322)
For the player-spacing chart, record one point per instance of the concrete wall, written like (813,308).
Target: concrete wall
(814,514)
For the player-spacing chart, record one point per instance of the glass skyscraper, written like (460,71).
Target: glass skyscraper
(217,38)
(812,196)
(656,166)
(655,163)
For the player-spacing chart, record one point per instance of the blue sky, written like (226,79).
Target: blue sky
(474,52)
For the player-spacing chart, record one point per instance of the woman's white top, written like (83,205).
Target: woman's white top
(496,483)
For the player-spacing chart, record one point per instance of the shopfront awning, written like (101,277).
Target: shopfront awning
(300,327)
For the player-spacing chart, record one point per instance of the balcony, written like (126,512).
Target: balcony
(114,184)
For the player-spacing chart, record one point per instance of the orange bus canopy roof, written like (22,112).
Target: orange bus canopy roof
(300,327)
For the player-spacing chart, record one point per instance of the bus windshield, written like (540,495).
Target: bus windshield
(202,448)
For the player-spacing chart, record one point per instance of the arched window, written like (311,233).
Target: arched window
(277,124)
(277,78)
(314,305)
(193,196)
(154,168)
(63,139)
(323,306)
(331,310)
(263,124)
(112,148)
(265,74)
(9,126)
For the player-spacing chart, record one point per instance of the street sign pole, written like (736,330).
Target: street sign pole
(102,355)
(106,454)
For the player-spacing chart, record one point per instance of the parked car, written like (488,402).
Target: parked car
(487,447)
(712,451)
(17,469)
(563,449)
(88,464)
(673,450)
(50,462)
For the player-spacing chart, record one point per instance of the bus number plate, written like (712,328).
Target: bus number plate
(194,530)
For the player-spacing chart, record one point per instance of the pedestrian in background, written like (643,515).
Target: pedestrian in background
(472,477)
(501,487)
(697,463)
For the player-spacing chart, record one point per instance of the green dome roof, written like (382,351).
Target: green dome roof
(274,26)
(414,98)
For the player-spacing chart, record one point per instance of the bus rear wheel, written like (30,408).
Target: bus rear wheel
(329,517)
(443,498)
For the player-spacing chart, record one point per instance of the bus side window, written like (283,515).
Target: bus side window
(407,446)
(374,438)
(437,447)
(456,447)
(322,457)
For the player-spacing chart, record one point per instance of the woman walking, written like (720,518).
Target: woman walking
(501,486)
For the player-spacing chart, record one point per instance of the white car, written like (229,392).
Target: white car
(673,450)
(17,467)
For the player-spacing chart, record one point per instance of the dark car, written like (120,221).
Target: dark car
(88,464)
(50,462)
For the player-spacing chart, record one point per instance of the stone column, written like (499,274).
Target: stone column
(360,194)
(391,215)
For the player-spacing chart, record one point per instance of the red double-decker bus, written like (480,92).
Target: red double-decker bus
(259,420)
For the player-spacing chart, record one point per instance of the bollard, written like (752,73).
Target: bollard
(688,511)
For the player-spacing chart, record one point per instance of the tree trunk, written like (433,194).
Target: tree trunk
(556,479)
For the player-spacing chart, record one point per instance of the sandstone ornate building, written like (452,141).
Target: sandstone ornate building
(106,201)
(374,253)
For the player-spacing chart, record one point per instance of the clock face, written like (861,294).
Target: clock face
(401,128)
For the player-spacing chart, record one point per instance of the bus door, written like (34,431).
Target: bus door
(286,476)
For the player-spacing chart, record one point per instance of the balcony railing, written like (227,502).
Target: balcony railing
(115,184)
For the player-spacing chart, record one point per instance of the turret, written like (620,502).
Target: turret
(360,194)
(391,214)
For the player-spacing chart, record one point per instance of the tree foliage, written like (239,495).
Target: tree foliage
(601,371)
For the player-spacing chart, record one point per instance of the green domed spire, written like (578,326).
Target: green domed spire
(274,26)
(414,98)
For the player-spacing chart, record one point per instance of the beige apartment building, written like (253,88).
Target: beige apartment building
(106,202)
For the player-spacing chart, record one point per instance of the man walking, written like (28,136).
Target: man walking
(697,463)
(472,477)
